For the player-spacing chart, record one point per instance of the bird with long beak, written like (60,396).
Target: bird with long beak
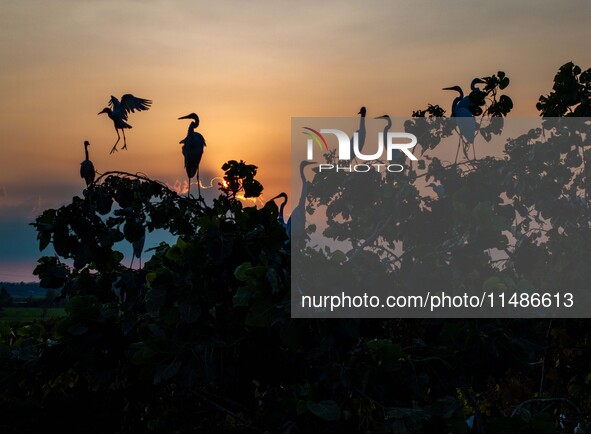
(466,122)
(296,224)
(280,217)
(398,152)
(387,127)
(475,99)
(118,112)
(193,146)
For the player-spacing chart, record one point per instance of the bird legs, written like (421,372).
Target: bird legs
(458,150)
(200,198)
(115,145)
(124,140)
(465,146)
(199,186)
(114,149)
(132,258)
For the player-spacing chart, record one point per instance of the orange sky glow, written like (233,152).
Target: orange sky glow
(246,68)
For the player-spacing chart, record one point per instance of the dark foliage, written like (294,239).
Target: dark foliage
(201,339)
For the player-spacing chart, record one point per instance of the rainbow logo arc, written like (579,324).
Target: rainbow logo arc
(317,137)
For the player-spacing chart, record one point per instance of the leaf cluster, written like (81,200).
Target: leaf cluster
(200,339)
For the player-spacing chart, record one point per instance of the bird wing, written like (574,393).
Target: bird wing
(194,142)
(200,139)
(116,107)
(130,103)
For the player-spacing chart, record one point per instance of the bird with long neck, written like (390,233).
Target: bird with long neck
(361,132)
(386,128)
(474,99)
(280,217)
(456,108)
(193,146)
(118,112)
(466,122)
(296,225)
(87,171)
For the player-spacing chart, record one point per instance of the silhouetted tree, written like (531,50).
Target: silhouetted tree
(201,338)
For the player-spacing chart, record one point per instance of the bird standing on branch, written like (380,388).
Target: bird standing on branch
(361,132)
(193,145)
(138,247)
(296,225)
(119,110)
(476,98)
(87,171)
(280,217)
(466,122)
(398,153)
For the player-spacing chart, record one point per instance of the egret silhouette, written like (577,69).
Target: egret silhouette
(458,110)
(119,110)
(360,133)
(296,225)
(398,152)
(476,98)
(466,122)
(193,146)
(280,217)
(86,167)
(138,247)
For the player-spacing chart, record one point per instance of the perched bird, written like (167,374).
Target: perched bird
(360,132)
(296,225)
(398,152)
(466,122)
(280,217)
(457,109)
(193,145)
(476,98)
(388,124)
(119,110)
(138,246)
(86,167)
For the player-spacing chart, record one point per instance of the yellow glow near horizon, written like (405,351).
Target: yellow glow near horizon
(246,69)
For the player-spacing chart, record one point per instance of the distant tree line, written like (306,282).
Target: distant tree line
(28,295)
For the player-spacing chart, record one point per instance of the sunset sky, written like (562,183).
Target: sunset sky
(245,68)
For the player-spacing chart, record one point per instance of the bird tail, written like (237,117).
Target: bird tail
(125,125)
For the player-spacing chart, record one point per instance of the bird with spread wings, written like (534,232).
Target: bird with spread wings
(118,111)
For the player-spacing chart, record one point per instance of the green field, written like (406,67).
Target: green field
(27,314)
